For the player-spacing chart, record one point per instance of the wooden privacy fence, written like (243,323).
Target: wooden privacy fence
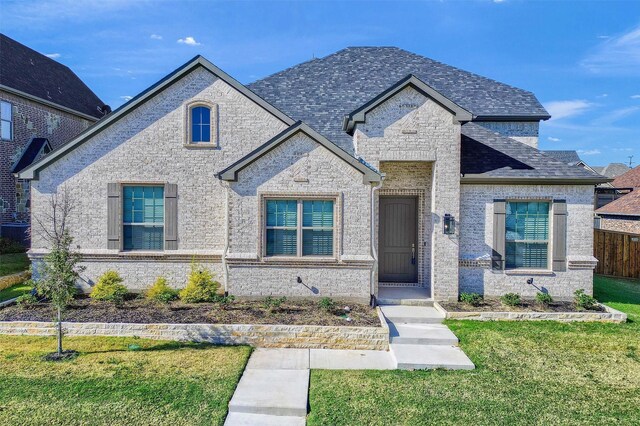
(618,253)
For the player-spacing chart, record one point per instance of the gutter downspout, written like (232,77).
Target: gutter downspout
(225,270)
(374,251)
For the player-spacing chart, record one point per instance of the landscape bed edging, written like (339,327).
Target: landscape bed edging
(609,315)
(258,335)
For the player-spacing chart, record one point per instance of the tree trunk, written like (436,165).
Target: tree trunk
(59,331)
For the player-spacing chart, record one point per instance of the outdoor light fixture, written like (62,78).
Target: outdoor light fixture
(449,224)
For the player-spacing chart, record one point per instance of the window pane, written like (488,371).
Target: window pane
(317,242)
(527,221)
(282,213)
(196,136)
(143,237)
(318,213)
(281,242)
(5,130)
(5,111)
(205,133)
(526,255)
(196,115)
(205,115)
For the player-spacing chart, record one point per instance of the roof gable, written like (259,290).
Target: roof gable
(231,173)
(27,72)
(359,115)
(31,172)
(33,151)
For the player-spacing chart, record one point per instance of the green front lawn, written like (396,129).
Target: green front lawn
(14,291)
(162,383)
(13,263)
(527,373)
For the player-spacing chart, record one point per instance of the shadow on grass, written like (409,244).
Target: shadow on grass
(165,346)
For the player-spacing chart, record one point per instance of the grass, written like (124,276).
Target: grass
(13,263)
(531,373)
(14,291)
(162,383)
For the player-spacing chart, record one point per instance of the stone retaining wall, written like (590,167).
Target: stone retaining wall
(259,335)
(610,315)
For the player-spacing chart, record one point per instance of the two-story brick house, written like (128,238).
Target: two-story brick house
(343,176)
(43,104)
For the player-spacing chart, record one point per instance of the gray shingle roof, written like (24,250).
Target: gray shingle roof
(567,157)
(322,91)
(613,170)
(31,72)
(491,155)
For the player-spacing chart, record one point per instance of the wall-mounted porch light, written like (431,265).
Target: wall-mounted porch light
(449,224)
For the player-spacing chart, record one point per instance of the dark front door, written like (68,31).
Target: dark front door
(398,240)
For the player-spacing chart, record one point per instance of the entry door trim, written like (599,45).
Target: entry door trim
(400,255)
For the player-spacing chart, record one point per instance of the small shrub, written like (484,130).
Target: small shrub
(544,299)
(26,301)
(473,299)
(327,304)
(109,288)
(584,301)
(511,299)
(273,303)
(225,301)
(161,292)
(201,287)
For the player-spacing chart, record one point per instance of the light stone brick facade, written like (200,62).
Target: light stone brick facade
(631,225)
(523,131)
(476,235)
(410,138)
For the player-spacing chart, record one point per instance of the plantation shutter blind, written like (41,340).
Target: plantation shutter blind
(317,228)
(282,222)
(171,216)
(499,226)
(114,219)
(559,235)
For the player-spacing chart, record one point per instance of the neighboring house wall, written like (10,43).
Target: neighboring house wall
(147,145)
(522,131)
(30,119)
(629,224)
(476,241)
(300,167)
(412,127)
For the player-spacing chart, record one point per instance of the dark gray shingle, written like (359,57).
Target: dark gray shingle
(567,157)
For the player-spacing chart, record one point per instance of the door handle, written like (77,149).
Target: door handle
(413,254)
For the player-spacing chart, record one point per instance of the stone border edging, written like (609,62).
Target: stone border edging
(8,302)
(610,315)
(258,335)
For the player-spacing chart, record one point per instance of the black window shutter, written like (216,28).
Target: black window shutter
(114,216)
(171,216)
(499,229)
(559,235)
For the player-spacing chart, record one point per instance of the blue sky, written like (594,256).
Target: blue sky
(582,59)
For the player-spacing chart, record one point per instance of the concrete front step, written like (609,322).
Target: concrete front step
(419,357)
(400,314)
(248,419)
(421,334)
(409,296)
(272,392)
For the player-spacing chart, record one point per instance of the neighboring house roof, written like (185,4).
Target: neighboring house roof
(322,91)
(612,170)
(629,205)
(231,172)
(488,156)
(34,149)
(567,157)
(630,179)
(31,172)
(26,71)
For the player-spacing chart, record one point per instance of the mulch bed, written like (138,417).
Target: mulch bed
(142,311)
(490,305)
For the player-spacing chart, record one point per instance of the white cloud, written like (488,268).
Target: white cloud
(615,115)
(589,152)
(635,96)
(616,55)
(563,109)
(498,1)
(604,95)
(126,98)
(155,37)
(552,139)
(189,40)
(623,149)
(53,55)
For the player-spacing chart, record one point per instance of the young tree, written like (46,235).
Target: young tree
(59,270)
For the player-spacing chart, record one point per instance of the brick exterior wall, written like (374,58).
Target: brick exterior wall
(524,131)
(411,127)
(620,225)
(30,119)
(476,241)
